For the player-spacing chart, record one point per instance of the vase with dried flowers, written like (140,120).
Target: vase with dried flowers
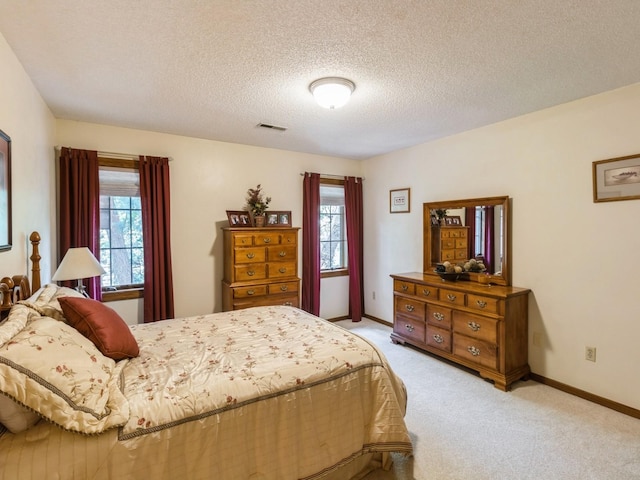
(257,204)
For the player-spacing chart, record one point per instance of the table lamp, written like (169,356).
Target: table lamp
(78,263)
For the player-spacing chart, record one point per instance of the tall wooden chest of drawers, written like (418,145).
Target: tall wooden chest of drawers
(484,328)
(260,267)
(450,244)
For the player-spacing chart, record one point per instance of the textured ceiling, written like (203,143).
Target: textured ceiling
(423,69)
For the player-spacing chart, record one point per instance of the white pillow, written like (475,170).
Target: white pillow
(15,417)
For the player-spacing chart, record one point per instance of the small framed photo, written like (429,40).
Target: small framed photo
(400,200)
(453,221)
(616,179)
(279,219)
(239,218)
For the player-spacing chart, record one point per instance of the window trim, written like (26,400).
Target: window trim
(337,272)
(130,291)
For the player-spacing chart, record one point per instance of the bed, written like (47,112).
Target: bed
(261,393)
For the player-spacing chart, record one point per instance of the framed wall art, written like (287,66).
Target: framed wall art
(5,191)
(616,179)
(239,218)
(400,200)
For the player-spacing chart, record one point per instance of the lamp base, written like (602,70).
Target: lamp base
(80,289)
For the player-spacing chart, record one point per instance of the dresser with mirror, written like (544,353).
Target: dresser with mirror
(479,320)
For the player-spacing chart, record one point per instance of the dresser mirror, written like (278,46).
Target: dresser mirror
(484,221)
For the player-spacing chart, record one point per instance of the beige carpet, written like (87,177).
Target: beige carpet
(464,428)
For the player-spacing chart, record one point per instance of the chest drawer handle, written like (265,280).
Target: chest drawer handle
(410,308)
(438,316)
(438,338)
(284,288)
(282,269)
(451,297)
(251,273)
(267,240)
(411,328)
(250,292)
(426,292)
(474,326)
(288,304)
(473,350)
(481,304)
(251,255)
(283,254)
(405,287)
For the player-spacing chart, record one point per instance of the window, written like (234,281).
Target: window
(121,247)
(333,235)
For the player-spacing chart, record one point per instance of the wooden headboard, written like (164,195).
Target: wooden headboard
(17,287)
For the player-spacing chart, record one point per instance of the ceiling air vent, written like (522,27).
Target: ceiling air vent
(272,127)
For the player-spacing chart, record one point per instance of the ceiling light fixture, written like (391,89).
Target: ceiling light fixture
(332,92)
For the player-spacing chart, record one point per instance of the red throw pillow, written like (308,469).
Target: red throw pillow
(102,325)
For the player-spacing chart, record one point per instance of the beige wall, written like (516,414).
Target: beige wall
(208,178)
(579,258)
(29,123)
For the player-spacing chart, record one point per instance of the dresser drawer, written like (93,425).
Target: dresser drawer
(286,300)
(250,271)
(249,255)
(281,253)
(461,243)
(460,255)
(404,287)
(285,287)
(475,326)
(282,269)
(245,292)
(426,291)
(484,304)
(448,255)
(289,238)
(243,240)
(448,243)
(266,239)
(411,308)
(409,327)
(452,297)
(439,316)
(439,338)
(475,350)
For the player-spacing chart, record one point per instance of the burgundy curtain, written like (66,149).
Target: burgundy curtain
(355,239)
(156,221)
(311,243)
(489,240)
(470,221)
(79,208)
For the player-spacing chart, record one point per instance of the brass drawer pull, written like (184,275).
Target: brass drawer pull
(282,269)
(288,304)
(473,326)
(405,287)
(438,316)
(438,338)
(251,273)
(283,254)
(426,292)
(451,297)
(481,304)
(284,288)
(410,308)
(251,255)
(267,240)
(411,328)
(250,292)
(473,350)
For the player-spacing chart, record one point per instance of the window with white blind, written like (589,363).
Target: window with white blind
(333,233)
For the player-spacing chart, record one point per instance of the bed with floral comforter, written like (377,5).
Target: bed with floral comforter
(261,393)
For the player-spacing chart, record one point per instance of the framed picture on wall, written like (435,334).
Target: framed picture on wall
(239,218)
(400,200)
(616,179)
(5,191)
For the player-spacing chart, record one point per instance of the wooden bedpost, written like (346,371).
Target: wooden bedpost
(35,261)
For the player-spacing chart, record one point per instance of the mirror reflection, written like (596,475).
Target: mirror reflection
(461,230)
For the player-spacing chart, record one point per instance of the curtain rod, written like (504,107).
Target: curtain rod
(124,156)
(329,175)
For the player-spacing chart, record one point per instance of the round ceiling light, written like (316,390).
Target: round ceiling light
(332,92)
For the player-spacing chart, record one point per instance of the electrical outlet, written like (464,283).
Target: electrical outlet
(374,295)
(590,353)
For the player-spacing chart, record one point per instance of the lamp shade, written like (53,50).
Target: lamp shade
(332,92)
(78,263)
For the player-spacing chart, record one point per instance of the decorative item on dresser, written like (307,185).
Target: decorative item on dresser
(260,267)
(478,321)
